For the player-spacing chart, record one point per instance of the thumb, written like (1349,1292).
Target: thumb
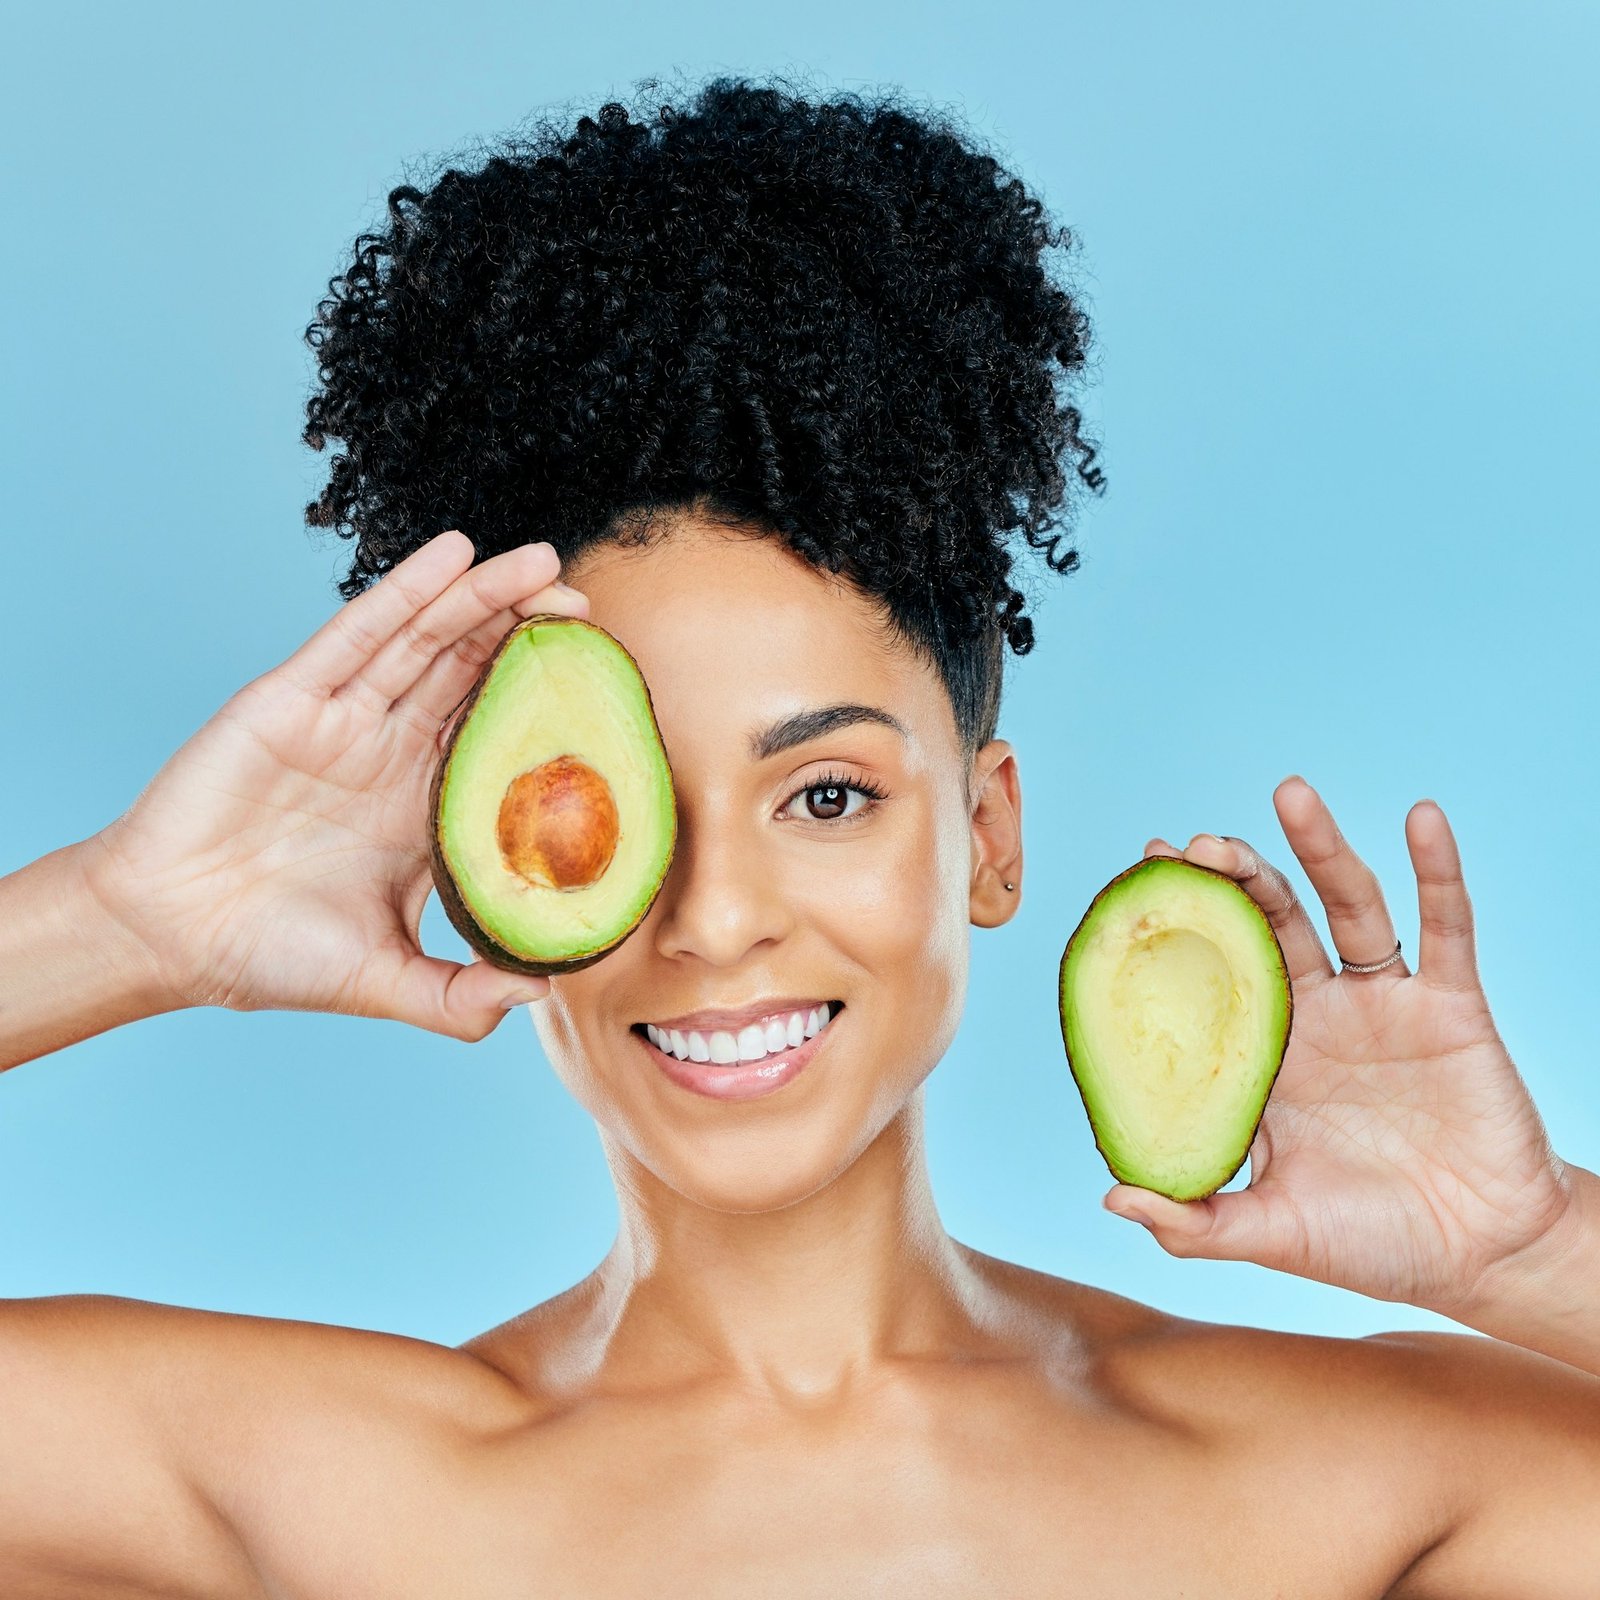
(465,1002)
(1222,1227)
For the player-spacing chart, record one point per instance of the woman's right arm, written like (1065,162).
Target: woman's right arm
(68,968)
(279,860)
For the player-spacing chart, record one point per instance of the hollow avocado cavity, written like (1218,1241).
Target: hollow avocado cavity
(1175,1013)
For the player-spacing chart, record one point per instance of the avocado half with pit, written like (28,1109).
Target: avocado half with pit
(1175,1012)
(552,812)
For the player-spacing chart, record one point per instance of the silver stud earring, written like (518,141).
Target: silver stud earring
(1011,886)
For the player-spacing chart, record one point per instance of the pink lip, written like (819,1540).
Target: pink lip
(746,1080)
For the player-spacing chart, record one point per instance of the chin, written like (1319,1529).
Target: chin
(743,1170)
(759,1156)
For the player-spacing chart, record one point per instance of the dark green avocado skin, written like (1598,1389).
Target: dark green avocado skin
(484,944)
(1288,987)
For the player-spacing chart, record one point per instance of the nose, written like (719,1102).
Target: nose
(722,897)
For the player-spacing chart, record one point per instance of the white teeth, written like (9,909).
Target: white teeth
(752,1043)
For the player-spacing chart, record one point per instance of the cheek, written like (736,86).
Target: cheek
(555,1021)
(897,905)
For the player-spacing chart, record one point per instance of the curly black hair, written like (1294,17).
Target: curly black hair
(827,322)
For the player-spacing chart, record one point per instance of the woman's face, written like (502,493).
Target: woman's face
(792,884)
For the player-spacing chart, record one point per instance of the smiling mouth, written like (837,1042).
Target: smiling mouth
(766,1036)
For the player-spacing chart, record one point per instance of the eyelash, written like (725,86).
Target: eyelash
(839,780)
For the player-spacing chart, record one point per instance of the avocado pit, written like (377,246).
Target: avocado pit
(558,824)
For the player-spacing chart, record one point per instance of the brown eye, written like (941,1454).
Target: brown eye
(832,800)
(825,801)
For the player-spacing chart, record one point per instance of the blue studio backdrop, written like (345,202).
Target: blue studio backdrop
(1340,267)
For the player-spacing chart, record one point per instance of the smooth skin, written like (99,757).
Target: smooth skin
(786,1378)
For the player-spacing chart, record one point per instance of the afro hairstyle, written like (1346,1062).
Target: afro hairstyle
(828,321)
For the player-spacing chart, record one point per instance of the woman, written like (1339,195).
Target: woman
(770,383)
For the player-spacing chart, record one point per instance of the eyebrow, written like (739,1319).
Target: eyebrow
(813,723)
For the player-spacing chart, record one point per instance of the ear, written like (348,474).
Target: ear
(996,836)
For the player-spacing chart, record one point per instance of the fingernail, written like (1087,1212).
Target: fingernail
(523,997)
(1131,1214)
(566,588)
(541,544)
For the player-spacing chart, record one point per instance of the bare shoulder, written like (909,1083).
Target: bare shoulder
(1407,1378)
(1479,1458)
(174,1354)
(1426,1393)
(159,1449)
(211,1384)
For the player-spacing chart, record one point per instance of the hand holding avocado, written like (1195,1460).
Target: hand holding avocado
(552,816)
(280,858)
(1399,1154)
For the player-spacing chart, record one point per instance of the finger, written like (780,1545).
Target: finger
(1359,922)
(443,686)
(1222,1227)
(440,694)
(1447,950)
(354,634)
(466,1002)
(1302,944)
(1160,847)
(492,586)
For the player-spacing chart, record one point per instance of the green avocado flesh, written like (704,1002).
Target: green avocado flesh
(1175,1013)
(553,812)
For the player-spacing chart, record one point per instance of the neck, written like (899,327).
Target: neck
(799,1303)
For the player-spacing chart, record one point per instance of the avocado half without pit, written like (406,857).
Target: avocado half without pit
(552,812)
(1175,1013)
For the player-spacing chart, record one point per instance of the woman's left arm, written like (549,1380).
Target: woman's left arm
(1547,1296)
(1400,1154)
